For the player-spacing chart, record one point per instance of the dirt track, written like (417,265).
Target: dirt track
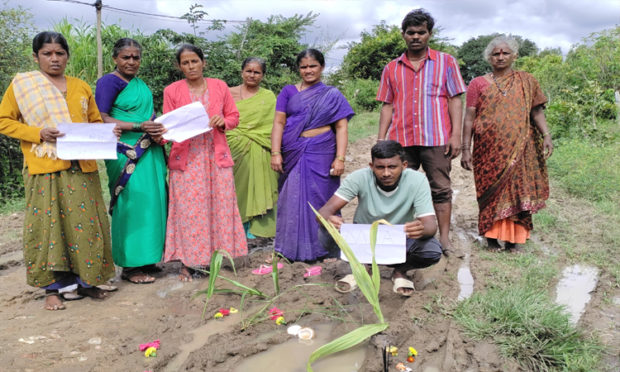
(104,336)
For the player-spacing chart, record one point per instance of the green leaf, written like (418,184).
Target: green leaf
(363,280)
(345,342)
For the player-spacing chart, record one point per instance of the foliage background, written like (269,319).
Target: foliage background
(580,86)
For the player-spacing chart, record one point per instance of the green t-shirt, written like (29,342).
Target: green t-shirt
(410,200)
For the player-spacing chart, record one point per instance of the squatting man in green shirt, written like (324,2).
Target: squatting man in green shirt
(388,190)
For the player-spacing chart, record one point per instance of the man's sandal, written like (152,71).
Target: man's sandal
(346,284)
(402,283)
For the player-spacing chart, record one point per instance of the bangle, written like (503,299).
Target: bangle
(340,157)
(136,127)
(464,147)
(274,153)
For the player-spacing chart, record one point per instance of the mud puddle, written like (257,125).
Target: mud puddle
(201,336)
(292,355)
(574,288)
(464,277)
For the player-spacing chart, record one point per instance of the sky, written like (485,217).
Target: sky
(548,23)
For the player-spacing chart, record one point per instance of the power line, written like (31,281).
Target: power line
(137,12)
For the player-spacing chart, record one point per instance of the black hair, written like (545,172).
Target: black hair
(418,17)
(124,43)
(189,48)
(48,37)
(387,149)
(311,53)
(260,61)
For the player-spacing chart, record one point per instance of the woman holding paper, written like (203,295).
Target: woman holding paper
(203,214)
(250,143)
(137,179)
(308,145)
(66,229)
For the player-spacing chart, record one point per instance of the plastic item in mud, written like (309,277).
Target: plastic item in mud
(306,334)
(293,330)
(402,367)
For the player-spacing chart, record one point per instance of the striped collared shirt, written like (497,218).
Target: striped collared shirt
(420,99)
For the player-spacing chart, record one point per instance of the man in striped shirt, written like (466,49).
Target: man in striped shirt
(422,110)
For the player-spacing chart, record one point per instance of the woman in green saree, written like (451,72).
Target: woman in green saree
(256,183)
(137,179)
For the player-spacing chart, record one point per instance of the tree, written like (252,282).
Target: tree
(471,54)
(367,58)
(15,29)
(277,41)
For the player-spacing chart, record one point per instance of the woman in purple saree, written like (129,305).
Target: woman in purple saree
(308,144)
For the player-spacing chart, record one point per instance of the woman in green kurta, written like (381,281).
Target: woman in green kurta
(250,144)
(137,179)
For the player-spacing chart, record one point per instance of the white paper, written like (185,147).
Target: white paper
(86,141)
(185,122)
(390,248)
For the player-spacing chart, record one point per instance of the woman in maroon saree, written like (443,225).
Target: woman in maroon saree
(308,144)
(511,145)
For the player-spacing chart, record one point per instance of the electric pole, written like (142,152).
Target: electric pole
(98,6)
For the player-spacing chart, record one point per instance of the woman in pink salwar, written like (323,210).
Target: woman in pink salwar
(202,213)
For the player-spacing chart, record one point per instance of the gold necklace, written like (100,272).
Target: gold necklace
(200,91)
(503,92)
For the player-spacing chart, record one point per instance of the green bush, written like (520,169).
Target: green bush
(360,93)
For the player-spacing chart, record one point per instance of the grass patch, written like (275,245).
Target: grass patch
(363,125)
(589,171)
(13,205)
(529,327)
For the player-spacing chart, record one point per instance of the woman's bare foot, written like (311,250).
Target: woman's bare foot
(330,260)
(137,277)
(53,302)
(93,292)
(185,274)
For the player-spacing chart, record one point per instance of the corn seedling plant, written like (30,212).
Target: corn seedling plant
(214,272)
(368,284)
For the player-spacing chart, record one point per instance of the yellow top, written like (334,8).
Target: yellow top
(82,108)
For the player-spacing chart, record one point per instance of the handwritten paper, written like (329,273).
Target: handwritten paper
(185,122)
(390,248)
(86,141)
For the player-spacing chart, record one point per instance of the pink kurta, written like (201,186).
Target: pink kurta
(202,213)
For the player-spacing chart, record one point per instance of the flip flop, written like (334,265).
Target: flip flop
(266,269)
(348,280)
(71,296)
(313,271)
(402,283)
(108,287)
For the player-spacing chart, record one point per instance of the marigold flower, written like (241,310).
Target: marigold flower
(393,350)
(224,312)
(233,310)
(218,315)
(280,320)
(412,351)
(150,352)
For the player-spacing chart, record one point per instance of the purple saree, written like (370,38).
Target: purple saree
(306,163)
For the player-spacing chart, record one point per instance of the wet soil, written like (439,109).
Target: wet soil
(104,335)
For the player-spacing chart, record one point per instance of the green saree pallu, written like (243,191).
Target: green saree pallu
(256,183)
(140,211)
